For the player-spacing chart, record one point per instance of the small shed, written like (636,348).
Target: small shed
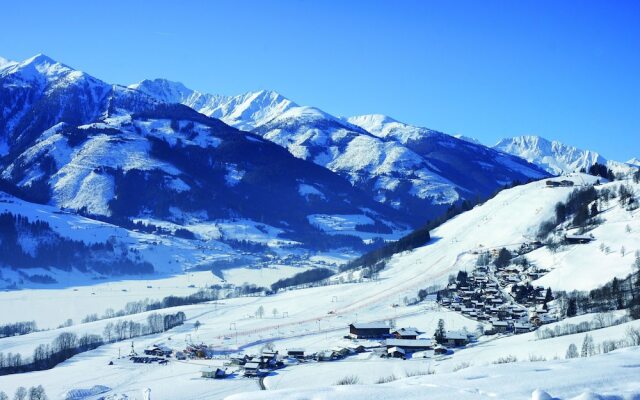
(396,352)
(216,373)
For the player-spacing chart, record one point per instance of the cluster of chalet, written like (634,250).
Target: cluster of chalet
(502,296)
(405,341)
(157,353)
(481,298)
(255,366)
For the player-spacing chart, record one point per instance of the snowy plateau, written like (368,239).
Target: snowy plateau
(156,239)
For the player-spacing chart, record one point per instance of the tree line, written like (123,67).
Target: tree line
(18,328)
(68,344)
(301,278)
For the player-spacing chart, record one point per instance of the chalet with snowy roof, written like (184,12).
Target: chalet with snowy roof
(252,369)
(213,373)
(456,338)
(521,328)
(406,333)
(158,351)
(499,326)
(368,331)
(409,345)
(396,352)
(578,239)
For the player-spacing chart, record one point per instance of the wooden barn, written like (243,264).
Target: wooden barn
(368,331)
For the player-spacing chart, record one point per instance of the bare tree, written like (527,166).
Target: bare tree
(572,352)
(633,335)
(37,393)
(21,394)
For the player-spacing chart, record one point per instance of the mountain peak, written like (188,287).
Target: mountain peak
(164,90)
(39,59)
(5,62)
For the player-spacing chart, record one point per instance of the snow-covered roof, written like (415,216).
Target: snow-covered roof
(371,325)
(396,349)
(409,342)
(455,335)
(252,365)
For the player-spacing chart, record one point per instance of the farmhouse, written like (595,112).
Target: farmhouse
(158,351)
(409,345)
(578,239)
(500,326)
(368,331)
(455,339)
(405,333)
(396,352)
(295,353)
(521,328)
(251,369)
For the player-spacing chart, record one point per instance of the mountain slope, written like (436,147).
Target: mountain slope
(472,166)
(402,172)
(117,154)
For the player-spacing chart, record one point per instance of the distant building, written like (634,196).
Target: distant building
(578,239)
(252,369)
(521,328)
(409,345)
(158,351)
(456,338)
(296,353)
(500,326)
(405,333)
(214,373)
(368,331)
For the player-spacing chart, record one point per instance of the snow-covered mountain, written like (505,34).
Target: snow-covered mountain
(117,154)
(245,111)
(556,157)
(471,166)
(390,160)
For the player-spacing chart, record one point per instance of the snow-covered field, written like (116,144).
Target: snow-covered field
(317,318)
(608,376)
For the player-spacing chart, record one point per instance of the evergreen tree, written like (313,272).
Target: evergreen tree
(440,333)
(503,259)
(572,308)
(548,296)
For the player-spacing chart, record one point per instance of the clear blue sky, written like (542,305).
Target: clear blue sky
(566,70)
